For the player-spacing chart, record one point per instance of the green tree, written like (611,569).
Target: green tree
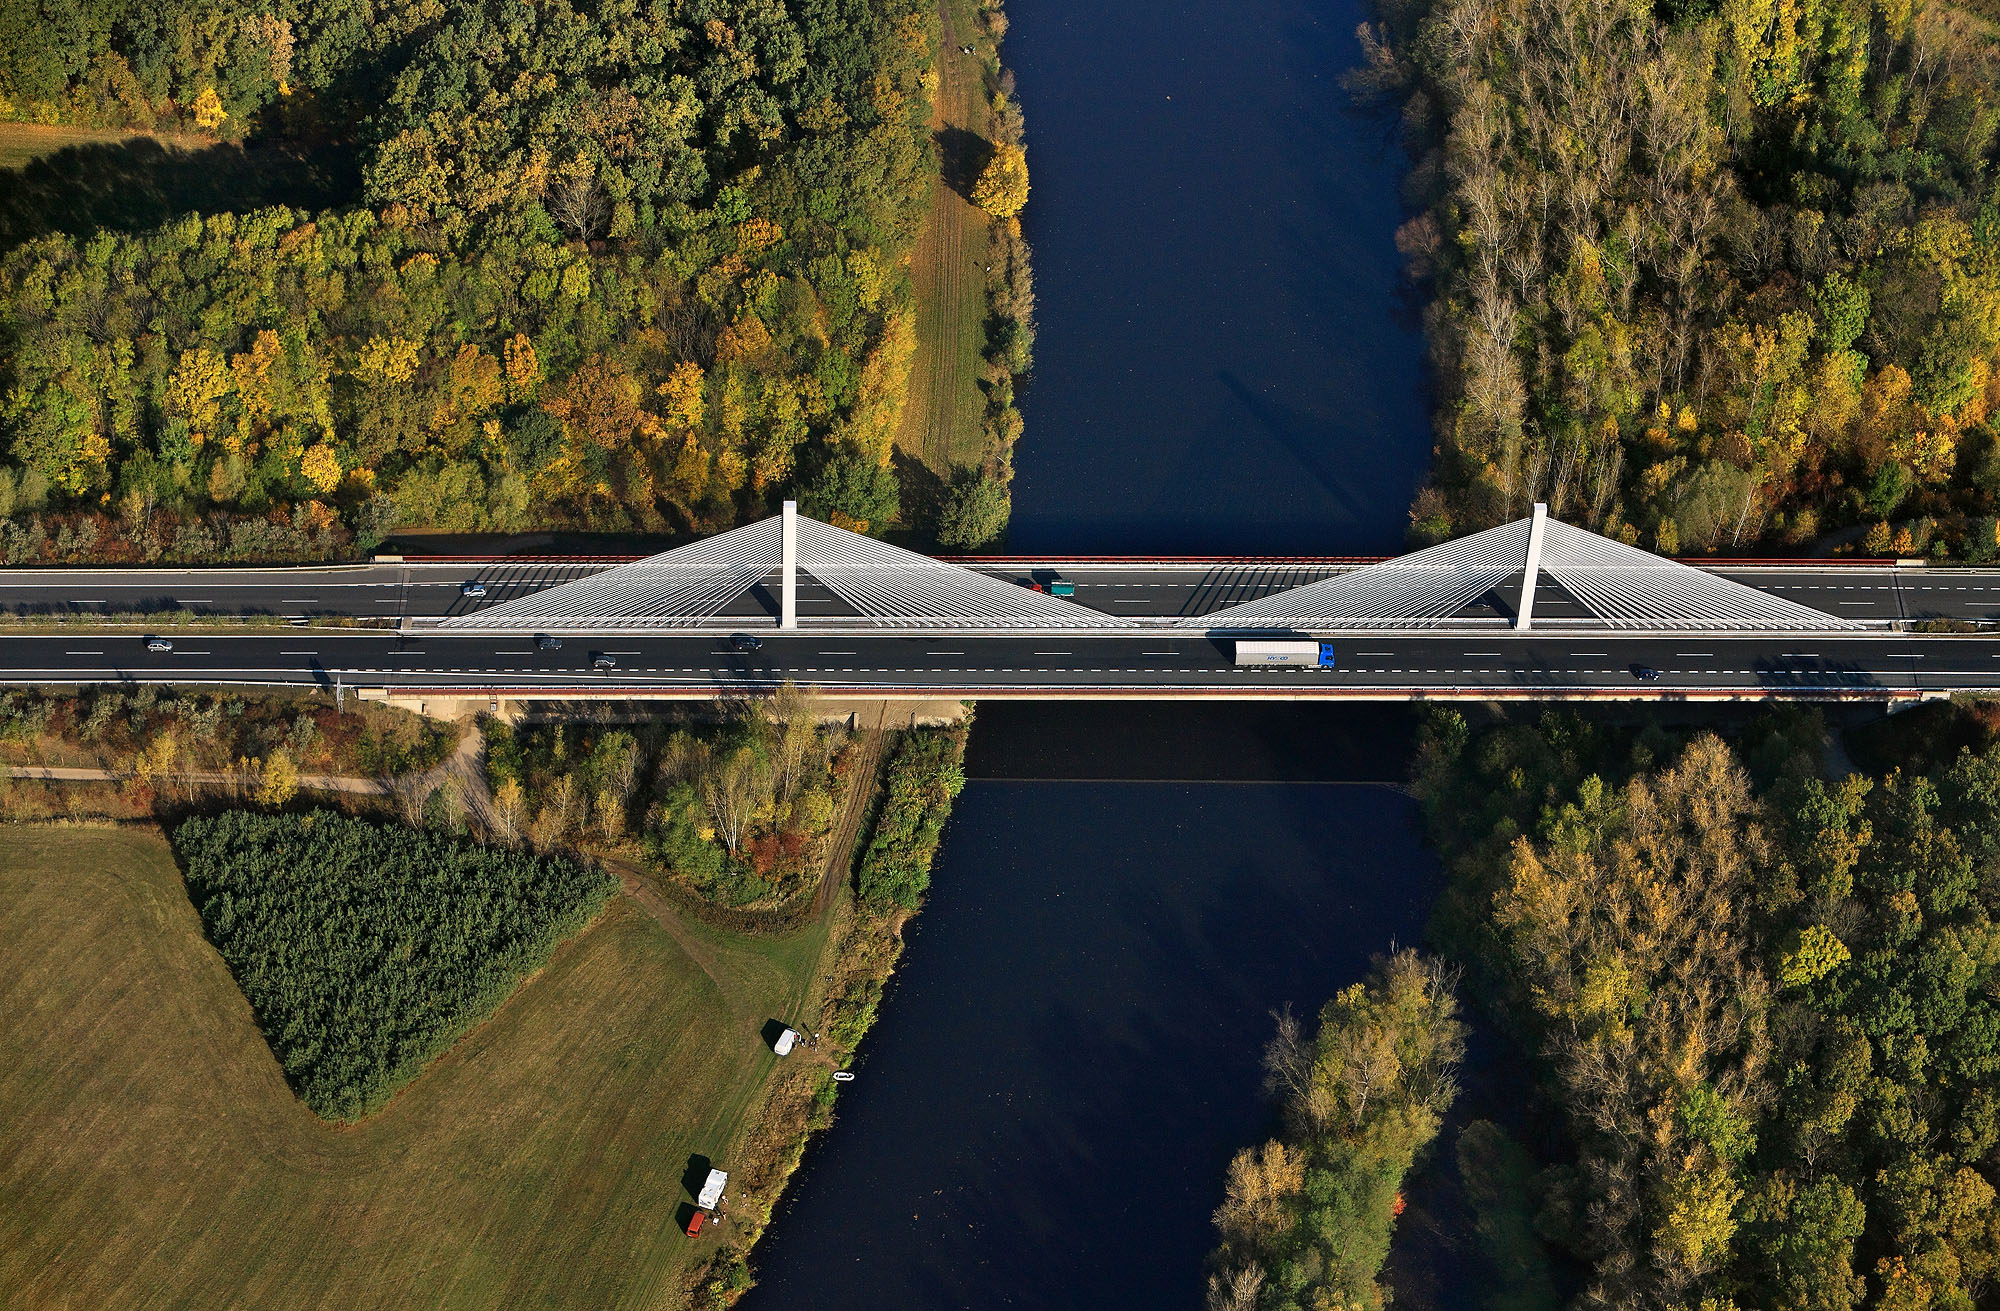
(974,511)
(852,491)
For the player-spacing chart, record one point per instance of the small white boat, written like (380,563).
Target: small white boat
(843,1076)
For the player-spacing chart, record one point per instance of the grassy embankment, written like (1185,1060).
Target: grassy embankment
(941,422)
(155,1155)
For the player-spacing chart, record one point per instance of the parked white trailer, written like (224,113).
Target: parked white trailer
(787,1040)
(1284,651)
(711,1189)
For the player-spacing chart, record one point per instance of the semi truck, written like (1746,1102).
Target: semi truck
(1285,651)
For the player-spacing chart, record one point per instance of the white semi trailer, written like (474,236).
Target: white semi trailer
(1285,651)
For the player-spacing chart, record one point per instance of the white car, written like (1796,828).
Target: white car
(159,645)
(475,589)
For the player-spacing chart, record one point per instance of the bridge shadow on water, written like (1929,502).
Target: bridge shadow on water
(1175,741)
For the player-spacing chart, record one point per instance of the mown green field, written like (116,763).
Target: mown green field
(152,1156)
(941,422)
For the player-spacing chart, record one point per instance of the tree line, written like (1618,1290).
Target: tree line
(160,738)
(631,267)
(366,950)
(1764,1004)
(1707,276)
(923,777)
(976,505)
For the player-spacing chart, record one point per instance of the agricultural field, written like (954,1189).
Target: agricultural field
(157,1158)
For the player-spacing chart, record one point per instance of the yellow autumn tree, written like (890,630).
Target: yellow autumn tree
(683,392)
(1002,189)
(278,780)
(250,375)
(208,110)
(524,369)
(393,359)
(320,466)
(198,382)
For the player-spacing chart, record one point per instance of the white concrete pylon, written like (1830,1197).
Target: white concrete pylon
(1524,617)
(788,608)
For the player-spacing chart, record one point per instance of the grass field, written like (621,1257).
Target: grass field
(23,143)
(152,1156)
(76,180)
(941,423)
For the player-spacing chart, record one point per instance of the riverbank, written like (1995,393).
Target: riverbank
(864,944)
(1695,307)
(973,298)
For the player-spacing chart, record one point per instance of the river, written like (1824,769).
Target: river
(1070,1053)
(1226,360)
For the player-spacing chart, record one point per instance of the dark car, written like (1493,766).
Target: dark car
(1645,673)
(745,642)
(603,662)
(547,643)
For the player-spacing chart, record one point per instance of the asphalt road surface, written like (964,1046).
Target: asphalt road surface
(393,592)
(1143,664)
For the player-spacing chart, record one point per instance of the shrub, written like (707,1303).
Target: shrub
(924,775)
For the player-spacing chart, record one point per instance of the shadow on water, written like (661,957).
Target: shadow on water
(140,183)
(1203,741)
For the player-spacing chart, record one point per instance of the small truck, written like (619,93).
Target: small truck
(1297,652)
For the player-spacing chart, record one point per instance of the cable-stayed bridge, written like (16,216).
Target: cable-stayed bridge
(869,586)
(1532,609)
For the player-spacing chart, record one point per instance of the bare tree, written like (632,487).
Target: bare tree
(731,791)
(1237,1291)
(795,720)
(576,199)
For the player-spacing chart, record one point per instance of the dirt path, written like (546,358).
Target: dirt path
(318,782)
(860,790)
(467,767)
(940,424)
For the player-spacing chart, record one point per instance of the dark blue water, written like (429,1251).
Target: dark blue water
(1224,361)
(1070,1055)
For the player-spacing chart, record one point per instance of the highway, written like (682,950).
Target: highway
(393,592)
(401,652)
(1145,664)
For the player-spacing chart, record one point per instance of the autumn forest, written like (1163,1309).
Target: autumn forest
(1707,275)
(627,267)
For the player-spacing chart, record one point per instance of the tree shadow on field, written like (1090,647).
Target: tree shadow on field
(142,182)
(961,154)
(920,492)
